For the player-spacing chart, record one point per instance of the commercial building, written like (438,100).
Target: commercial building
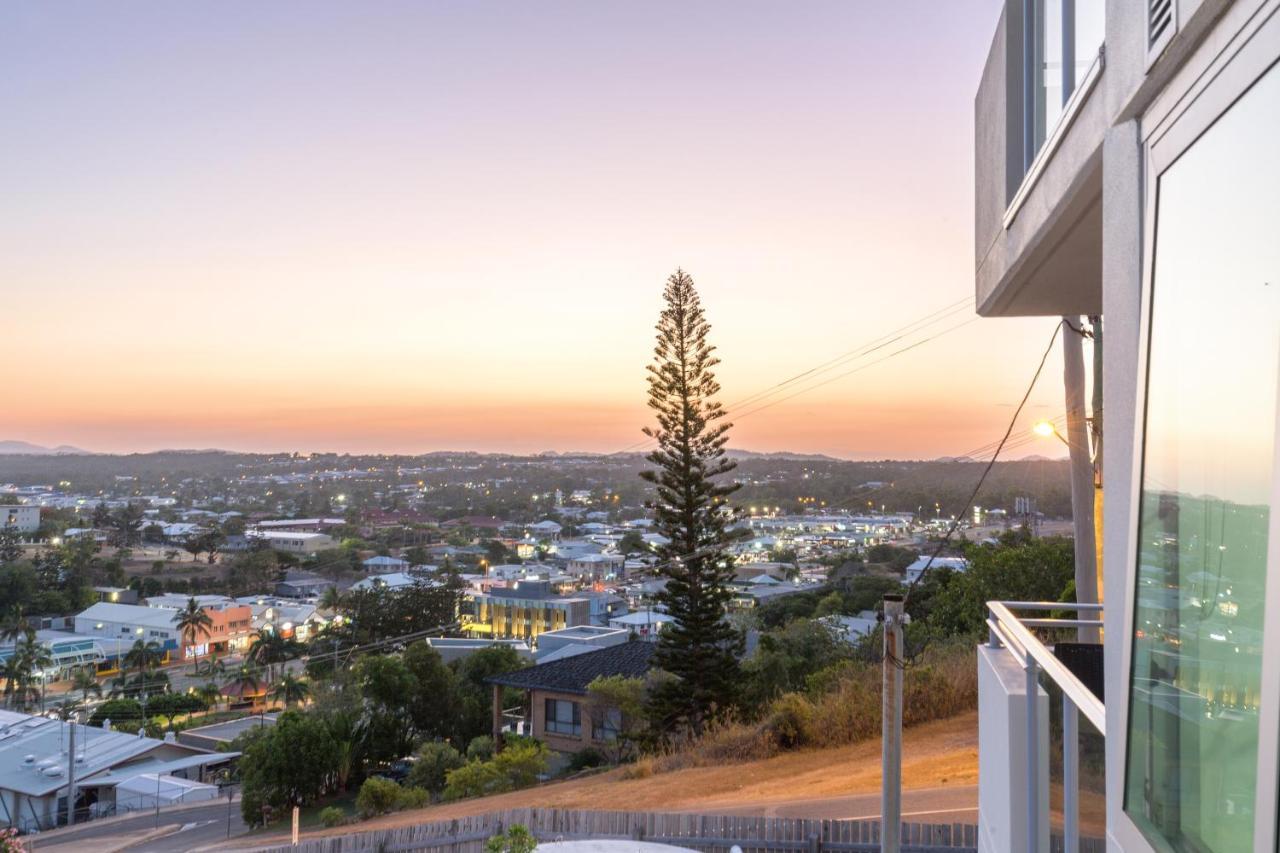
(524,610)
(22,518)
(38,771)
(1127,173)
(119,626)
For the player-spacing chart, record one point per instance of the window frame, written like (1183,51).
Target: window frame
(1202,91)
(551,723)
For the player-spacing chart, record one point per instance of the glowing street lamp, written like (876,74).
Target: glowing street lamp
(1044,429)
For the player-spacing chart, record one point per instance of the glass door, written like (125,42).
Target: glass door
(1208,475)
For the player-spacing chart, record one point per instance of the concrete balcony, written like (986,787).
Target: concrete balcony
(1030,734)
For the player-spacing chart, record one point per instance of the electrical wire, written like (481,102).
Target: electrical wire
(955,523)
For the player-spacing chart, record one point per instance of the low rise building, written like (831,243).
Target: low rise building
(293,543)
(38,777)
(22,518)
(523,611)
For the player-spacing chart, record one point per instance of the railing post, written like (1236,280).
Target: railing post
(1070,776)
(1033,755)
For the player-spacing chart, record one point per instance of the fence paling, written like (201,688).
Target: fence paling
(703,832)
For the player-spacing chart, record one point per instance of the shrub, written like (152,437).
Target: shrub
(517,839)
(332,816)
(586,758)
(413,798)
(430,771)
(480,748)
(790,721)
(377,796)
(517,766)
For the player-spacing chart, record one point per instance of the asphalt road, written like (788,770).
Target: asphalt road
(949,804)
(195,826)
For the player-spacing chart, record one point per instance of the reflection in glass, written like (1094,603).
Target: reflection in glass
(1071,28)
(1206,486)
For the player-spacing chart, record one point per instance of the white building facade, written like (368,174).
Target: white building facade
(1128,181)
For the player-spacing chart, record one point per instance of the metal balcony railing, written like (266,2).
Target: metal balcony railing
(1014,633)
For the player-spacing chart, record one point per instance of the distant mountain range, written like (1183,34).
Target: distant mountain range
(26,448)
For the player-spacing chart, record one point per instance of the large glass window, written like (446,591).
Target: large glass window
(1206,485)
(1073,29)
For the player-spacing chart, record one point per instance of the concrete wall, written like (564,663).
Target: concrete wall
(1003,787)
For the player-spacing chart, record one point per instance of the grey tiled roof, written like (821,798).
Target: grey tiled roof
(573,674)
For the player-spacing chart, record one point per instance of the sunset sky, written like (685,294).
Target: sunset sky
(419,226)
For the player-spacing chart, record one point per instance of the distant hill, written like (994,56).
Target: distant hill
(26,448)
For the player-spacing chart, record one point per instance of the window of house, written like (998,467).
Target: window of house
(606,725)
(1207,481)
(564,717)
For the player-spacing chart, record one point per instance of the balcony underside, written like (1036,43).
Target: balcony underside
(1057,270)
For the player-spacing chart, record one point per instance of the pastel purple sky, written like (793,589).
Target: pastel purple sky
(433,225)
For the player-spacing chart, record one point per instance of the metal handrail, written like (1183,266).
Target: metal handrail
(1010,631)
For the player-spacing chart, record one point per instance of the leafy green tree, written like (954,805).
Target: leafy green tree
(434,706)
(617,704)
(292,763)
(632,542)
(10,546)
(954,603)
(700,647)
(474,695)
(170,705)
(125,526)
(123,711)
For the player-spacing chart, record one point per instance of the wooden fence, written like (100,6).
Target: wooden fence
(702,832)
(699,831)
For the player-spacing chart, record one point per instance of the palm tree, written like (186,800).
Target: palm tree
(210,693)
(86,682)
(246,679)
(270,648)
(291,689)
(143,655)
(212,667)
(67,708)
(29,657)
(15,625)
(332,599)
(193,622)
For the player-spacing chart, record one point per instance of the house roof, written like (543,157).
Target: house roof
(573,674)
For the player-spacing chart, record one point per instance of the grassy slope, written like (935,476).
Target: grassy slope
(937,754)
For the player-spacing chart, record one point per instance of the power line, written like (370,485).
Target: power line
(864,350)
(991,464)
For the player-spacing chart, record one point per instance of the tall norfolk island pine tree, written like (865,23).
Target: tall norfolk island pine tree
(699,646)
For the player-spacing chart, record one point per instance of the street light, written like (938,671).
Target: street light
(1044,429)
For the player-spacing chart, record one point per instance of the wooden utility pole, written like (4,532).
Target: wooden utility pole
(891,727)
(1082,512)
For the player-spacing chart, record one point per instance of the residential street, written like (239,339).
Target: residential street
(193,826)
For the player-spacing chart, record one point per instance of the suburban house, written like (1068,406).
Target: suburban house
(1127,173)
(555,707)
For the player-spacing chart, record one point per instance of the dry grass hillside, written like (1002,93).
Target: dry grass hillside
(940,762)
